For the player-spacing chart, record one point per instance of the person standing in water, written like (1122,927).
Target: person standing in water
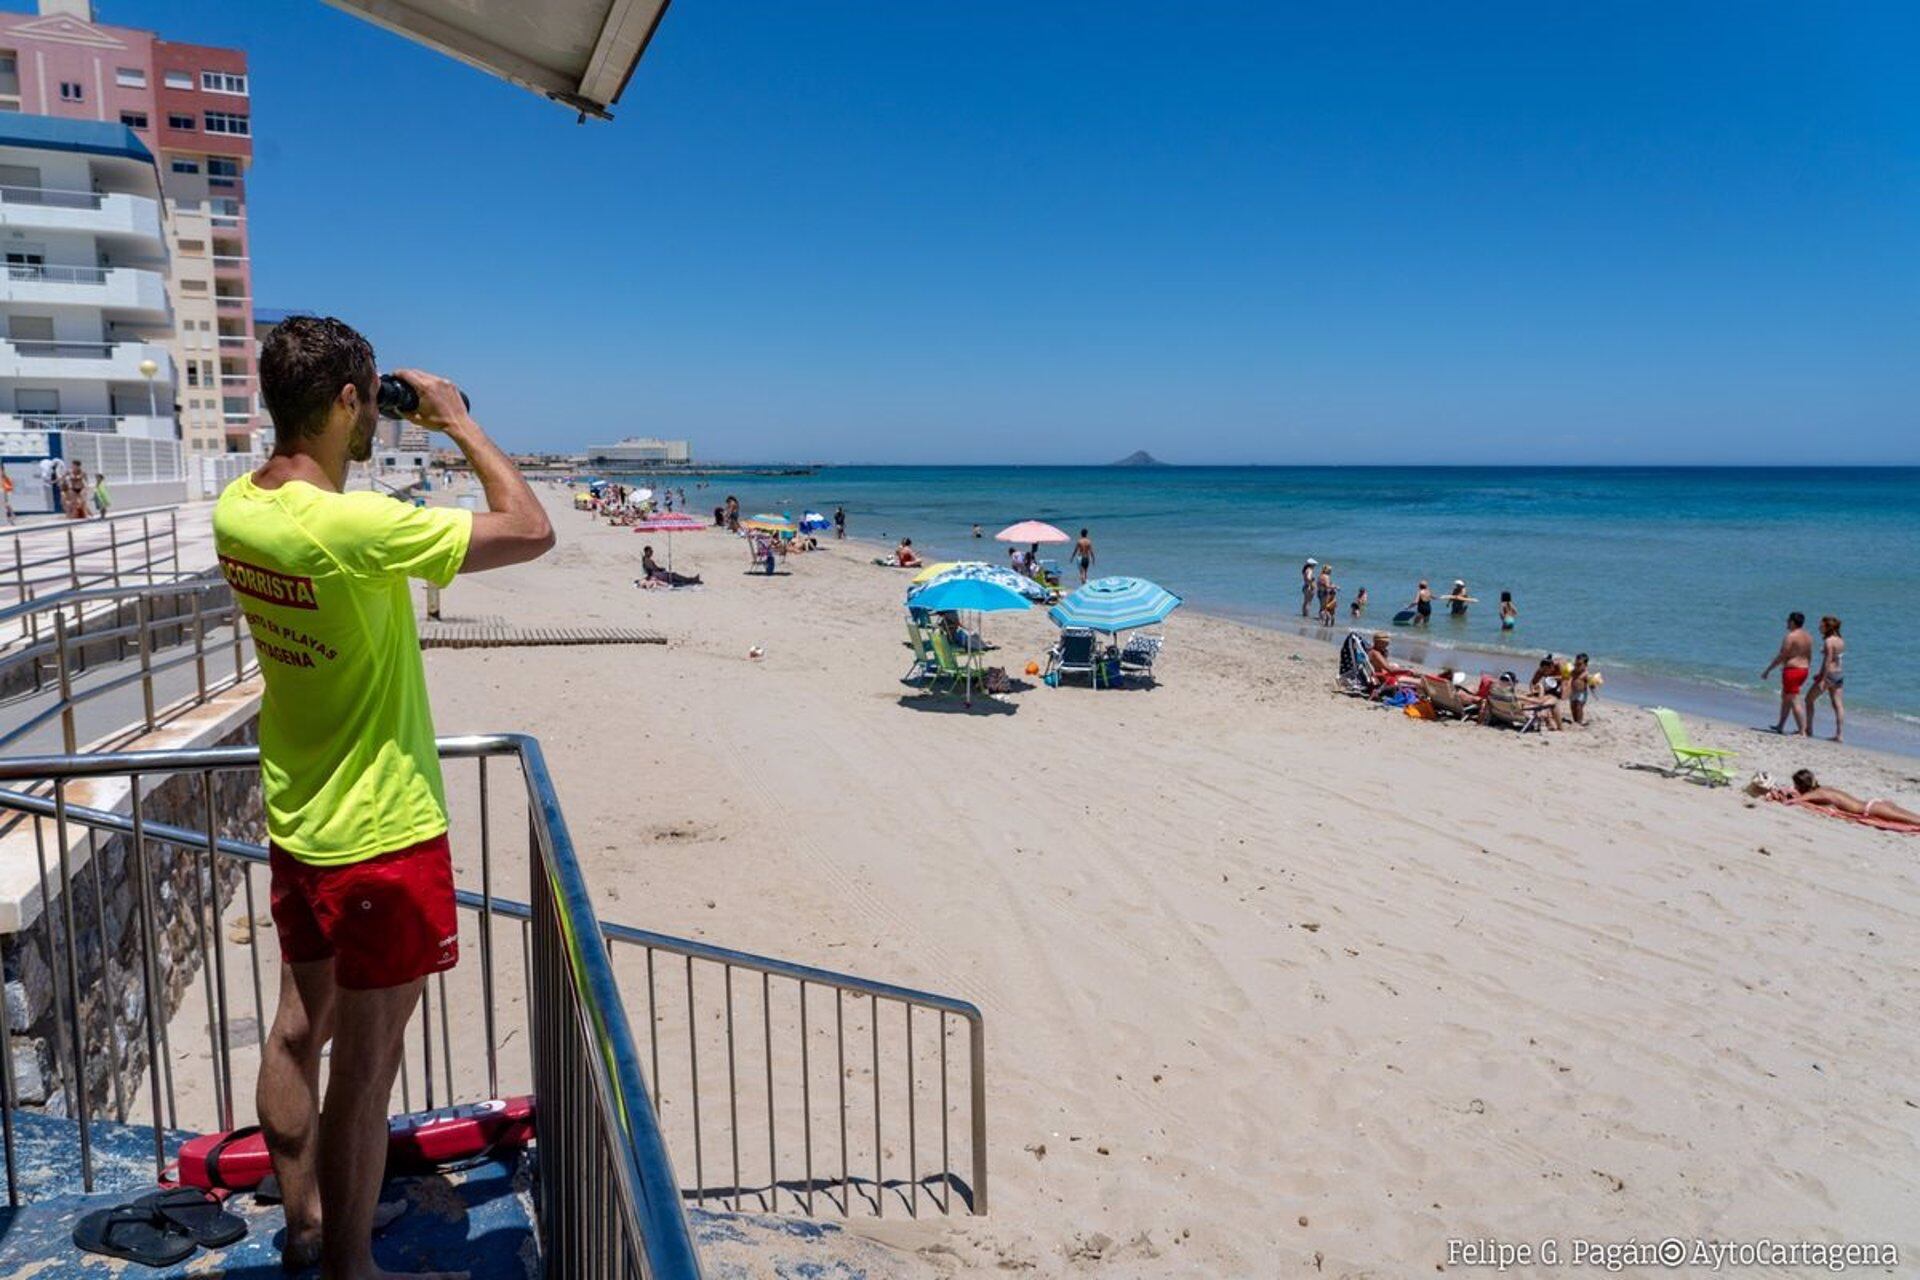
(1833,652)
(1359,605)
(1793,660)
(1423,605)
(1508,614)
(1083,555)
(1458,599)
(1309,576)
(840,524)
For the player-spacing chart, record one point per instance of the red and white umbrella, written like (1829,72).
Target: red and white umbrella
(670,523)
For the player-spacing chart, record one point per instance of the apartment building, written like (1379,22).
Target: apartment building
(189,104)
(84,320)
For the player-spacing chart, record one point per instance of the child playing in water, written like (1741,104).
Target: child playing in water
(1508,614)
(1359,605)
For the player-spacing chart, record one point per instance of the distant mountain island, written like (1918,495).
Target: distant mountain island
(1138,458)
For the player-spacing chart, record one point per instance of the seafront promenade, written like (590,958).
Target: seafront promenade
(1280,982)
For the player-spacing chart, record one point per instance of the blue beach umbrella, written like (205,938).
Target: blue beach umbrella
(984,572)
(966,595)
(1108,605)
(813,522)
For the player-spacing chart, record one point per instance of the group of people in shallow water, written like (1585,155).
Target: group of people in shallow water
(1320,594)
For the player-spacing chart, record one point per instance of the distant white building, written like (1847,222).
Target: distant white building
(640,451)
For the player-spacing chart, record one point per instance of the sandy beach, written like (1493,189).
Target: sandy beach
(1276,982)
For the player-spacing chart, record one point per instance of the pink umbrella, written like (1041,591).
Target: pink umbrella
(670,523)
(1031,531)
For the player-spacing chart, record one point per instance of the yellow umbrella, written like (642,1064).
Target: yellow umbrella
(935,570)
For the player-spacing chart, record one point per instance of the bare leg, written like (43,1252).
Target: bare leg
(1813,697)
(1839,713)
(369,1030)
(288,1100)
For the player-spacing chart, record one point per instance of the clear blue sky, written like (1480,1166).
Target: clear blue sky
(925,232)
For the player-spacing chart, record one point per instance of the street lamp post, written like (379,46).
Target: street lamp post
(148,368)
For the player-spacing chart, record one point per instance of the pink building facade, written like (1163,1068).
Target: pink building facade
(190,104)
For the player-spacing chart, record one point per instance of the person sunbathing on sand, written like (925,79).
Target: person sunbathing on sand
(1377,658)
(651,567)
(1809,791)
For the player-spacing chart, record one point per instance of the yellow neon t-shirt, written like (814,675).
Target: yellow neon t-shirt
(347,762)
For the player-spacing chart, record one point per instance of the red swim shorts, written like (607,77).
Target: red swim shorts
(1791,678)
(383,922)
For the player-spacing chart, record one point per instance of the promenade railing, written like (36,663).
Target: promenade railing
(117,638)
(139,547)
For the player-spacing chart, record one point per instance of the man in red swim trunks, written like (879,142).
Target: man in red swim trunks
(362,878)
(1795,659)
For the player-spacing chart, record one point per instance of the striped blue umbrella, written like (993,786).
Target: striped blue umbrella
(984,572)
(1108,605)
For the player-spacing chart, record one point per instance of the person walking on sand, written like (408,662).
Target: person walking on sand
(1309,586)
(1083,555)
(361,874)
(840,524)
(1833,653)
(1793,660)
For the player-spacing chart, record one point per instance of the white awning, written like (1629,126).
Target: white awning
(577,52)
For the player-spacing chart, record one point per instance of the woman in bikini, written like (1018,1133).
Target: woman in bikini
(1833,652)
(1809,791)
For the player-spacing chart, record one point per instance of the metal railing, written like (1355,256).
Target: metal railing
(771,1013)
(56,274)
(608,1201)
(74,632)
(53,197)
(139,547)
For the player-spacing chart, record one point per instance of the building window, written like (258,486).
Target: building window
(134,119)
(177,121)
(70,91)
(196,248)
(186,166)
(228,122)
(222,167)
(223,82)
(193,374)
(130,78)
(9,73)
(178,80)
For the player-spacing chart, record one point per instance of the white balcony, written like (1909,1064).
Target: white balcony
(48,209)
(123,424)
(86,361)
(126,289)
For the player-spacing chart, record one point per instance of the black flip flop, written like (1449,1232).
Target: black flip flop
(132,1232)
(196,1212)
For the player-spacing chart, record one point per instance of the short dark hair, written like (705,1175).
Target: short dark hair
(1803,780)
(304,363)
(1796,619)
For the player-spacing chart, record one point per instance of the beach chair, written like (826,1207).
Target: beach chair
(1075,654)
(1710,764)
(1505,705)
(1450,699)
(760,552)
(923,663)
(1137,658)
(947,667)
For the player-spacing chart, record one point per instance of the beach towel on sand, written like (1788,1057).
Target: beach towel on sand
(1881,824)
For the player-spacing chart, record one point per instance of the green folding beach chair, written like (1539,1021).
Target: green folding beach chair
(947,668)
(1706,763)
(923,666)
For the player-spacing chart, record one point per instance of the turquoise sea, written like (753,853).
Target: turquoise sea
(1676,580)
